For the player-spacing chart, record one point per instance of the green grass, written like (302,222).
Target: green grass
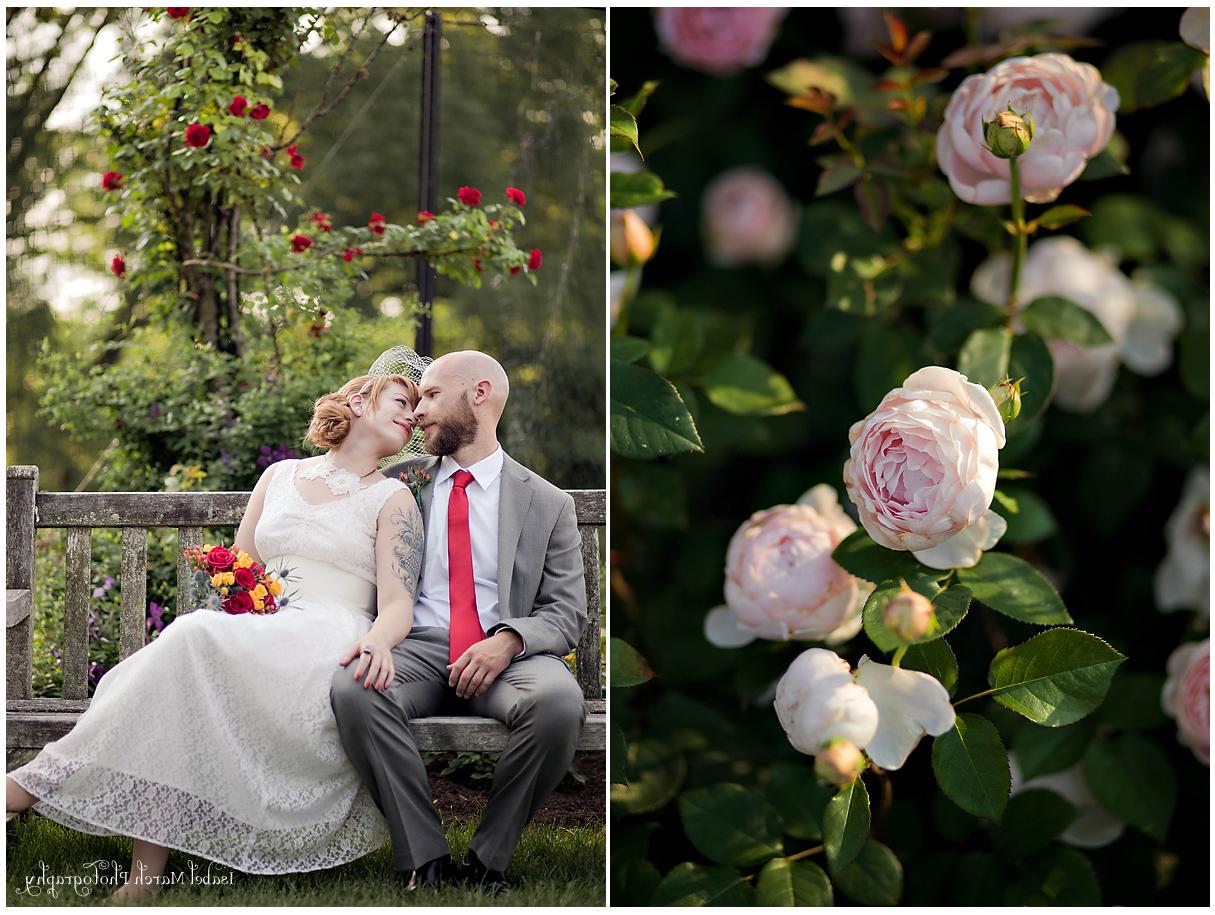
(554,866)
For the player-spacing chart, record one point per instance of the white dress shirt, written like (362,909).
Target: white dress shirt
(432,607)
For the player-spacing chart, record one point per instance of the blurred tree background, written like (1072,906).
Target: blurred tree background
(521,104)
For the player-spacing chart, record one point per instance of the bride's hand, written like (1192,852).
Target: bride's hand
(375,667)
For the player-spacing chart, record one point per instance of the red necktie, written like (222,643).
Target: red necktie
(462,595)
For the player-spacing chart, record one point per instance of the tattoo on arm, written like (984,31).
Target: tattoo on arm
(407,548)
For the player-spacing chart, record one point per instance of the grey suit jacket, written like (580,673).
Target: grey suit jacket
(541,589)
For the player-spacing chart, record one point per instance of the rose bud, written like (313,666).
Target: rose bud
(839,764)
(534,260)
(632,241)
(1009,135)
(1007,395)
(909,614)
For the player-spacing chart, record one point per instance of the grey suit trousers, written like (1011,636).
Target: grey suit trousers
(536,697)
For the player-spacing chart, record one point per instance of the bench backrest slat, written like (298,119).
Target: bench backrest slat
(77,580)
(186,537)
(20,523)
(588,649)
(132,625)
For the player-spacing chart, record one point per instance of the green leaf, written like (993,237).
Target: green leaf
(1133,702)
(634,881)
(1056,677)
(746,386)
(730,824)
(636,189)
(1031,360)
(984,356)
(799,798)
(1060,216)
(1042,750)
(887,355)
(835,177)
(656,772)
(1059,876)
(862,285)
(1150,72)
(1015,588)
(874,878)
(1053,317)
(620,754)
(648,417)
(935,659)
(1110,162)
(678,338)
(1032,820)
(950,606)
(1032,522)
(629,349)
(850,83)
(628,667)
(846,825)
(1131,778)
(861,556)
(621,123)
(635,104)
(696,885)
(971,767)
(784,882)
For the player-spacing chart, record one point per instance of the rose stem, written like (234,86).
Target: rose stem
(898,655)
(1020,237)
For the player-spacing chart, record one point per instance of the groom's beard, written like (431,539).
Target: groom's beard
(450,435)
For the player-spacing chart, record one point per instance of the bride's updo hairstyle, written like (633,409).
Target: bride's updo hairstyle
(331,414)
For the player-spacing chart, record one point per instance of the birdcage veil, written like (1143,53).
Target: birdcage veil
(402,360)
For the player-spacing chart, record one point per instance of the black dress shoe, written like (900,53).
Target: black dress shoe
(477,874)
(431,875)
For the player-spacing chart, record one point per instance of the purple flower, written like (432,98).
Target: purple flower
(98,593)
(96,672)
(108,583)
(154,410)
(155,616)
(225,458)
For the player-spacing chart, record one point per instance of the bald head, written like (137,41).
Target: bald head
(480,375)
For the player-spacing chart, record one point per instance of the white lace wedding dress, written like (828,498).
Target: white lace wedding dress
(217,738)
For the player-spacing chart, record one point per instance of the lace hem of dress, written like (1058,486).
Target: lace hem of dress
(121,804)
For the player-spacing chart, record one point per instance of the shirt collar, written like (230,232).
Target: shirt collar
(485,471)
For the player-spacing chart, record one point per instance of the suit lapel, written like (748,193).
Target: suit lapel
(514,500)
(429,489)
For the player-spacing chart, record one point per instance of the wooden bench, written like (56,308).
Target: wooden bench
(32,723)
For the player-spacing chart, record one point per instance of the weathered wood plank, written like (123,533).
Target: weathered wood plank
(186,537)
(141,509)
(20,521)
(17,606)
(587,660)
(50,704)
(77,577)
(134,584)
(28,730)
(201,509)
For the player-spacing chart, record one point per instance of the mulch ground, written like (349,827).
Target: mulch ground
(570,805)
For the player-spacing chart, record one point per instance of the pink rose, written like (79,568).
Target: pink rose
(1073,112)
(1187,696)
(718,40)
(747,218)
(781,582)
(922,469)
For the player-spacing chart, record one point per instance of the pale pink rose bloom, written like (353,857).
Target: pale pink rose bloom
(1141,319)
(1093,827)
(781,582)
(817,701)
(922,469)
(1073,112)
(910,704)
(1187,696)
(1183,580)
(718,40)
(747,218)
(1195,27)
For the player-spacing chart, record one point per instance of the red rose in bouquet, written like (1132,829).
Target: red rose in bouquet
(220,559)
(245,578)
(240,602)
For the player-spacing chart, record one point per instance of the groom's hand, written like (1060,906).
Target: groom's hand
(475,670)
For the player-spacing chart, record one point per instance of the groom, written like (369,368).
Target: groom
(500,600)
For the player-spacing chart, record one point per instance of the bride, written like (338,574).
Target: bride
(218,739)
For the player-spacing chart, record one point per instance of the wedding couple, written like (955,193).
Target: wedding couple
(282,743)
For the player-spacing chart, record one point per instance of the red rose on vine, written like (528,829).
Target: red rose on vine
(118,267)
(376,224)
(469,196)
(238,106)
(177,12)
(322,222)
(533,262)
(198,135)
(260,111)
(349,254)
(516,196)
(425,216)
(297,161)
(300,243)
(111,181)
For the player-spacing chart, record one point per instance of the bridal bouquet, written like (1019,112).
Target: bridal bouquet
(236,583)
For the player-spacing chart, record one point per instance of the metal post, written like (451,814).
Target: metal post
(428,168)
